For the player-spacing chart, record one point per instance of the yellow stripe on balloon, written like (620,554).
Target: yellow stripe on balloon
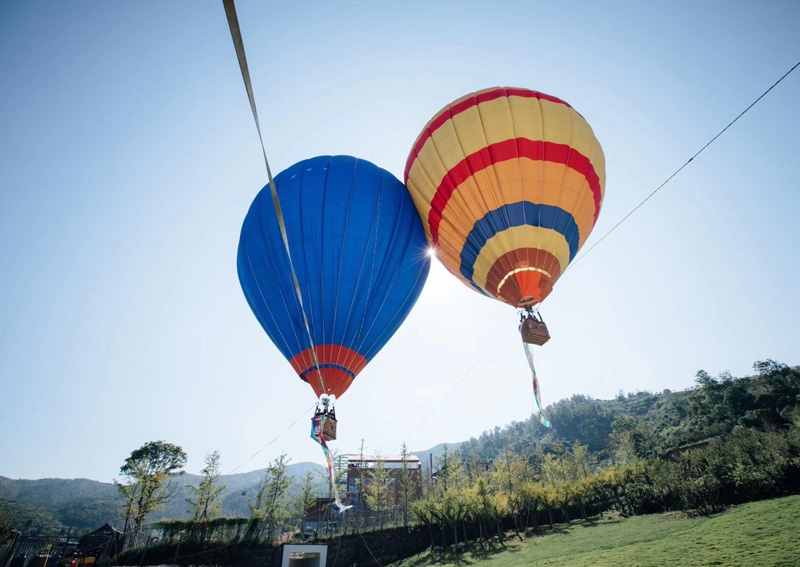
(556,184)
(496,121)
(418,188)
(521,237)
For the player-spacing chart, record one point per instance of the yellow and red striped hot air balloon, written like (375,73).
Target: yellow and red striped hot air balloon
(509,184)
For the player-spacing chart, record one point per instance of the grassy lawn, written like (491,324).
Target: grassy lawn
(751,535)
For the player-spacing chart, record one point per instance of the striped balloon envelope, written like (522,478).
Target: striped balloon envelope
(509,184)
(358,251)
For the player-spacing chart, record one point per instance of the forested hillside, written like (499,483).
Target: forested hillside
(27,518)
(654,424)
(53,492)
(728,440)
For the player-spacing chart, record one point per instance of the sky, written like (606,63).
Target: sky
(129,157)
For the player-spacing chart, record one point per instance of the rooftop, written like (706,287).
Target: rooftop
(384,458)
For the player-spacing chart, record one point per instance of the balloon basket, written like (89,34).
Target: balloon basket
(328,420)
(329,429)
(534,332)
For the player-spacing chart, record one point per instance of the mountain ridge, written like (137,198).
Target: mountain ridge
(83,503)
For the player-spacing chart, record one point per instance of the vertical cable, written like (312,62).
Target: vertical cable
(238,44)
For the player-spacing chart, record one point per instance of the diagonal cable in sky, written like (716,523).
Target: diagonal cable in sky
(677,171)
(731,123)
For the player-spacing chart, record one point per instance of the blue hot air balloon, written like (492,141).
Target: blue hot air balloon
(358,249)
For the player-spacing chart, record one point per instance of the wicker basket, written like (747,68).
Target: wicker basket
(534,332)
(329,428)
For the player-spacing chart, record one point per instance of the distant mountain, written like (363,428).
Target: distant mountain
(241,489)
(653,424)
(436,452)
(52,492)
(48,504)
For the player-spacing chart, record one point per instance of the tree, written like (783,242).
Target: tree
(379,491)
(768,366)
(530,500)
(555,474)
(548,495)
(511,472)
(451,481)
(6,526)
(271,508)
(631,438)
(147,473)
(484,507)
(305,498)
(407,483)
(450,475)
(206,503)
(703,378)
(579,466)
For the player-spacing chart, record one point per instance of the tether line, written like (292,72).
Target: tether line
(238,44)
(251,457)
(731,123)
(711,141)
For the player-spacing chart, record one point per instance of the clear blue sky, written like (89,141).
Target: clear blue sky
(128,158)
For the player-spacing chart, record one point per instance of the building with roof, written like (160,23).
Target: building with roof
(359,477)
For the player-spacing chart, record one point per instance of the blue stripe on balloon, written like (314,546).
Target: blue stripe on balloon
(509,216)
(328,365)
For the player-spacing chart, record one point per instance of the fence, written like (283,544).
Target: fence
(41,551)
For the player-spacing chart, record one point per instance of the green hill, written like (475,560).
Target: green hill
(30,519)
(727,441)
(53,492)
(750,535)
(45,506)
(654,424)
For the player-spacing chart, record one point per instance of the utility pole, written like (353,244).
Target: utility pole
(361,483)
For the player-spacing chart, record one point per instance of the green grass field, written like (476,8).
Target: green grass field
(751,535)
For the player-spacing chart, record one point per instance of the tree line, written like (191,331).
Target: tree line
(727,441)
(380,500)
(148,484)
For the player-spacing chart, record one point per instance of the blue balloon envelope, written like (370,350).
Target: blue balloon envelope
(359,252)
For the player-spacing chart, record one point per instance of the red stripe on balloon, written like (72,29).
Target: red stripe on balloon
(338,366)
(450,111)
(503,151)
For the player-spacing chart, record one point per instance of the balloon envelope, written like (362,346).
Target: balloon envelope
(358,248)
(509,184)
